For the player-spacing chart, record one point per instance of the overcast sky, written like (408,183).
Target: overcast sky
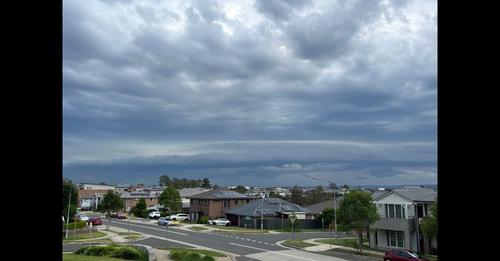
(250,92)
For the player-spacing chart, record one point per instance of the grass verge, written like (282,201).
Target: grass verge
(83,236)
(198,228)
(74,257)
(297,243)
(199,251)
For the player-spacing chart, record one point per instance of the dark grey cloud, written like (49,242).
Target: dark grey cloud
(280,9)
(147,78)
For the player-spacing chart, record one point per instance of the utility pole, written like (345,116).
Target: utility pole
(69,206)
(262,214)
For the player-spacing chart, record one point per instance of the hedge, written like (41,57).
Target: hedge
(118,251)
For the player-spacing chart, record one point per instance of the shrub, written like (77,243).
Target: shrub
(127,252)
(164,213)
(208,258)
(177,254)
(99,251)
(81,251)
(203,220)
(191,256)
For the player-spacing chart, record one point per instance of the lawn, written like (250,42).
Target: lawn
(126,233)
(198,228)
(297,243)
(86,235)
(73,257)
(347,242)
(200,251)
(132,237)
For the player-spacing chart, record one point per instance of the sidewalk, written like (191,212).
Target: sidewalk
(323,247)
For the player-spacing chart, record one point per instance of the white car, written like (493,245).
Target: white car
(219,222)
(179,217)
(82,217)
(155,214)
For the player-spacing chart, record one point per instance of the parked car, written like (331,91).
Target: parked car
(163,221)
(121,216)
(219,222)
(154,214)
(96,221)
(402,255)
(180,217)
(82,217)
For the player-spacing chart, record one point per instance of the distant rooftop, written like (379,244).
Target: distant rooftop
(220,194)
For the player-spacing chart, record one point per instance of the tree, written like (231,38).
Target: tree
(328,215)
(140,209)
(165,181)
(357,212)
(429,223)
(111,202)
(206,183)
(273,194)
(296,195)
(240,189)
(171,198)
(67,187)
(316,195)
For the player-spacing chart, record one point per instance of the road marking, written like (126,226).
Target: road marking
(170,231)
(265,243)
(253,240)
(273,251)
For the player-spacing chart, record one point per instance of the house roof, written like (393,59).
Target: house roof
(220,194)
(416,194)
(187,192)
(319,207)
(268,207)
(136,194)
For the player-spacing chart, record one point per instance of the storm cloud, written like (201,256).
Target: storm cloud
(234,90)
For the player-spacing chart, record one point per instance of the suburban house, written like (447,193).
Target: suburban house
(275,213)
(401,211)
(90,195)
(132,198)
(318,208)
(185,193)
(213,203)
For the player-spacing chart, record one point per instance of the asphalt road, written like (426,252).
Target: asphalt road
(238,244)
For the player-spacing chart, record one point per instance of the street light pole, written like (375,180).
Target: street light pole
(69,206)
(262,214)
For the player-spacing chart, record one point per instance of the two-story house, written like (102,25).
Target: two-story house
(401,212)
(213,203)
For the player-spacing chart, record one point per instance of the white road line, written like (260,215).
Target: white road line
(253,240)
(273,251)
(259,242)
(170,231)
(257,248)
(265,243)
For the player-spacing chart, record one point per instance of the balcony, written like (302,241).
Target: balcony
(398,224)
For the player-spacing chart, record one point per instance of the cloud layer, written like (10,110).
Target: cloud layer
(303,82)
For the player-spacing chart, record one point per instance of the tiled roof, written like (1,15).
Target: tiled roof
(319,207)
(267,206)
(220,194)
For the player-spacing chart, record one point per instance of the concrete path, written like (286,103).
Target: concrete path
(323,247)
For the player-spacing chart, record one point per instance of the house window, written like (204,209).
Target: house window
(395,238)
(395,211)
(226,203)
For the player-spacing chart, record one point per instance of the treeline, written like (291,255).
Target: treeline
(184,183)
(313,196)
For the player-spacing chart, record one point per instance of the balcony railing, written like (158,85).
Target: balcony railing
(399,224)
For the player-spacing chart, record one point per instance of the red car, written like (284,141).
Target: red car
(95,221)
(402,255)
